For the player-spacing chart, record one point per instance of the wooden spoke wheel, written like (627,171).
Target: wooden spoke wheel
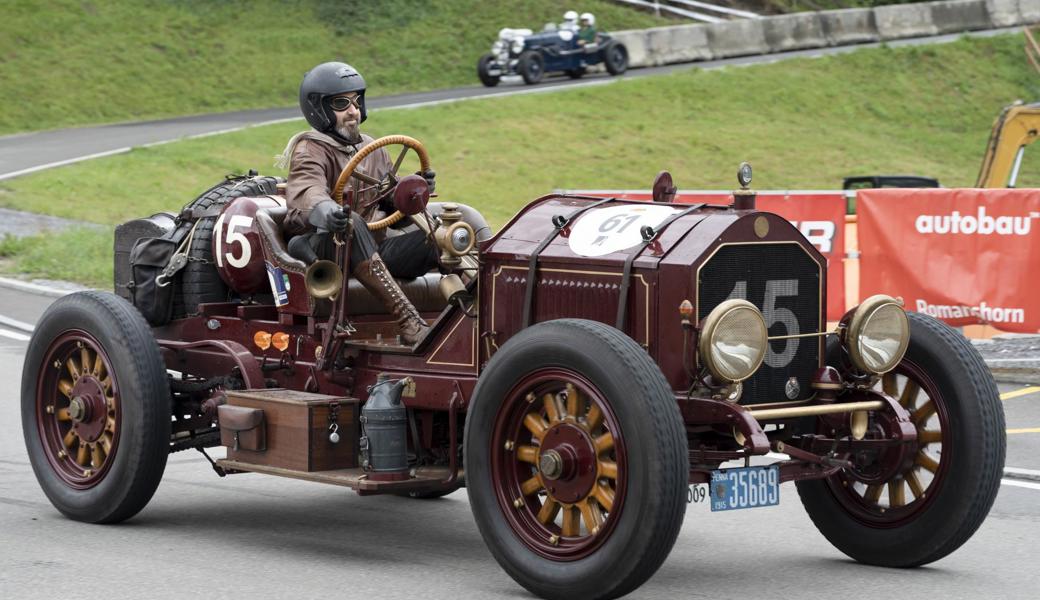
(576,460)
(884,493)
(95,407)
(77,409)
(558,464)
(908,505)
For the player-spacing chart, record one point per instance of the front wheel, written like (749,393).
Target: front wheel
(531,67)
(576,461)
(484,68)
(95,408)
(906,517)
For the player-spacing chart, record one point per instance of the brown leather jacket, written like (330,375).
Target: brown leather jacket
(317,160)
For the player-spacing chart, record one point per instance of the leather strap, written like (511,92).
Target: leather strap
(626,276)
(559,222)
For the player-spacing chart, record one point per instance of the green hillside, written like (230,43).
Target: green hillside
(803,124)
(76,62)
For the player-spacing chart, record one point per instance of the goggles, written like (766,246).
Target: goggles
(342,103)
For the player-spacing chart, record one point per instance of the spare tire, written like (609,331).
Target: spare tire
(199,281)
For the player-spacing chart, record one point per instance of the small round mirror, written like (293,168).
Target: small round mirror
(744,174)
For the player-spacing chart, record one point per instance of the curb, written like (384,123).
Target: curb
(35,288)
(1015,374)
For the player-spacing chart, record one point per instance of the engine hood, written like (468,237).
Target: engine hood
(604,233)
(508,34)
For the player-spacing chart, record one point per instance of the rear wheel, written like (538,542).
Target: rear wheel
(531,67)
(576,461)
(884,514)
(615,57)
(95,408)
(483,68)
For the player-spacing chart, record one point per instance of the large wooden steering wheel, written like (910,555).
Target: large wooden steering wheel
(350,170)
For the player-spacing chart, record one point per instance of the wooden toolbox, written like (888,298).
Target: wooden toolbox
(297,430)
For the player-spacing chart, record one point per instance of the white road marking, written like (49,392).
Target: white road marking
(62,163)
(16,324)
(1025,484)
(21,337)
(1026,472)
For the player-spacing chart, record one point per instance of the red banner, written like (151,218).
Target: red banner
(820,216)
(966,256)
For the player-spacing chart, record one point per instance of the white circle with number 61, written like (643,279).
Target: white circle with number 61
(606,230)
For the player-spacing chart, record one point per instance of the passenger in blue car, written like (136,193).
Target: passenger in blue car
(587,33)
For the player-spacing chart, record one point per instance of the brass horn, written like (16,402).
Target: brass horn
(323,279)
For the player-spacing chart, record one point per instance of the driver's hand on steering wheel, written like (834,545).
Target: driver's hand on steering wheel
(330,216)
(430,176)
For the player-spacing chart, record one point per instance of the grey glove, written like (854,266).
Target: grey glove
(329,216)
(429,175)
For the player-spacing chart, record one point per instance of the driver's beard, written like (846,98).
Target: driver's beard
(351,133)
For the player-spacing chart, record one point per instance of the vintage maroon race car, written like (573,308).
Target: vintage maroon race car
(584,366)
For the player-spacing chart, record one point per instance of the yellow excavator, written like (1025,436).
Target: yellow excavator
(1015,128)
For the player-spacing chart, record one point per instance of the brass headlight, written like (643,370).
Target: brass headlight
(878,334)
(733,341)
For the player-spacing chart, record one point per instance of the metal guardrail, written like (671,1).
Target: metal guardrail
(669,7)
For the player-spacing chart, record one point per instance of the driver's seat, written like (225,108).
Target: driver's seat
(424,292)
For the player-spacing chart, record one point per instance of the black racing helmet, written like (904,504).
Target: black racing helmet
(322,83)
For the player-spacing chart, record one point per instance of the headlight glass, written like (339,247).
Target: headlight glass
(498,47)
(518,45)
(878,334)
(733,341)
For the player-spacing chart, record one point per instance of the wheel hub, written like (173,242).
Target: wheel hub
(88,408)
(551,465)
(568,463)
(78,409)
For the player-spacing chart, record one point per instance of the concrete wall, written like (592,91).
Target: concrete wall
(799,31)
(900,21)
(849,26)
(794,32)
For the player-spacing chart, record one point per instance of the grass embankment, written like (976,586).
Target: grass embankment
(803,124)
(75,62)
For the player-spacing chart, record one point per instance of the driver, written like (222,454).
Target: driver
(332,97)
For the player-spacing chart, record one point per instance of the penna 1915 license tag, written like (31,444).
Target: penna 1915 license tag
(745,487)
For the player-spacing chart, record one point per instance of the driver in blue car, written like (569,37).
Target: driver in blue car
(332,97)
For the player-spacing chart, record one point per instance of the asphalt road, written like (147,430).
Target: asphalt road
(263,537)
(253,536)
(26,153)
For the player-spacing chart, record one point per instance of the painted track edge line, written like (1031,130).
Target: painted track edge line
(35,288)
(14,335)
(16,324)
(1025,484)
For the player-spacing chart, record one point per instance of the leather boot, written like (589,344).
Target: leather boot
(376,278)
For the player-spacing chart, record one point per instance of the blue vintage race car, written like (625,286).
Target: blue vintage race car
(532,55)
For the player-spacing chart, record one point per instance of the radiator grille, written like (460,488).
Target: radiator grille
(783,281)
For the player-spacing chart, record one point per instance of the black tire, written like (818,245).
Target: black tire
(953,505)
(576,73)
(483,66)
(615,58)
(139,411)
(199,281)
(625,552)
(531,67)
